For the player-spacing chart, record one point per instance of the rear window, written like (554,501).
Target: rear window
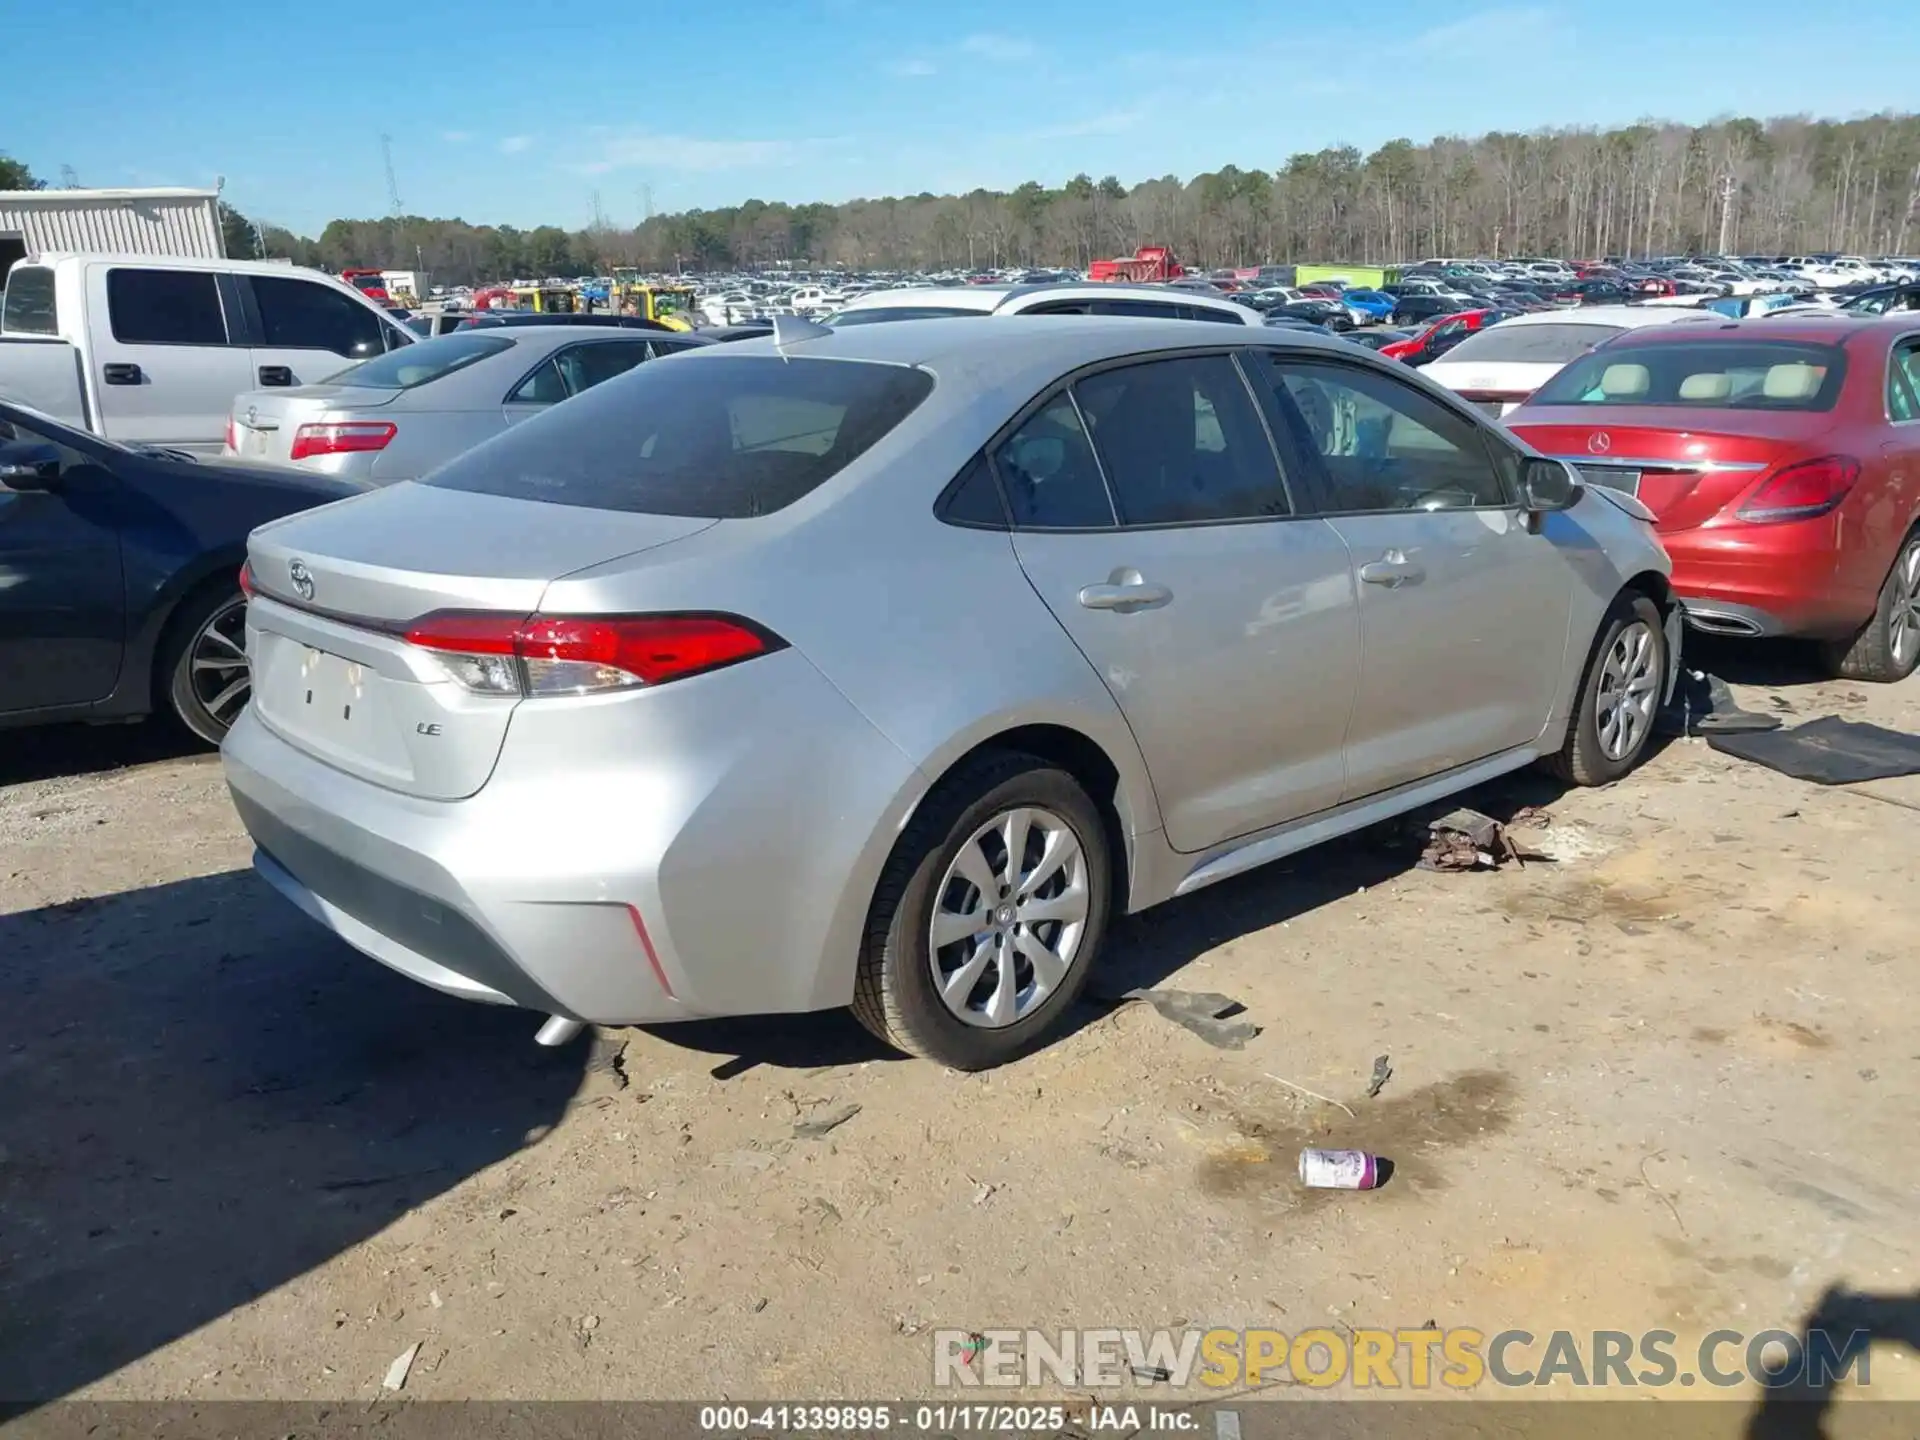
(721,438)
(900,312)
(29,303)
(1531,344)
(1703,374)
(419,364)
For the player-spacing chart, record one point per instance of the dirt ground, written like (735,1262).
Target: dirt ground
(1667,1081)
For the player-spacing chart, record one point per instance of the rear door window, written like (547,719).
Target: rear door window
(1052,480)
(165,307)
(1903,382)
(308,315)
(717,437)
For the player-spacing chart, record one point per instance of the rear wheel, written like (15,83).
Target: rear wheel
(988,917)
(1620,696)
(1889,648)
(203,662)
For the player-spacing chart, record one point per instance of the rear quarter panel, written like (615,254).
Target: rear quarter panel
(46,373)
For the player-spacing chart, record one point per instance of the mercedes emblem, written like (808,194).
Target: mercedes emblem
(1599,442)
(302,578)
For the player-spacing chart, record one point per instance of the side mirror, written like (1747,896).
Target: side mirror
(1549,485)
(29,465)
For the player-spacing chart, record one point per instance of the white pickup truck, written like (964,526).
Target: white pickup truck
(151,350)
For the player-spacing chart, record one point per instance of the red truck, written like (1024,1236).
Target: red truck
(370,283)
(1148,263)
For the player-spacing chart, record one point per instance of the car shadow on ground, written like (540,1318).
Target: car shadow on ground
(202,1096)
(1769,663)
(51,751)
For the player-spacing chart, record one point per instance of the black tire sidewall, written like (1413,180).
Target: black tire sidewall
(177,659)
(909,976)
(1601,767)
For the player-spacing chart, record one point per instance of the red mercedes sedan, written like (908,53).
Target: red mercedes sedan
(1781,458)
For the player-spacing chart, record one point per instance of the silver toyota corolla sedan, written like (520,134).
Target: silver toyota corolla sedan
(884,667)
(398,415)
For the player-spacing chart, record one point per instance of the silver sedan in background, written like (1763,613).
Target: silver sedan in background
(883,666)
(398,415)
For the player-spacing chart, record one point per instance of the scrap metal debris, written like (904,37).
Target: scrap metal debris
(1467,840)
(1382,1072)
(397,1372)
(1202,1012)
(826,1124)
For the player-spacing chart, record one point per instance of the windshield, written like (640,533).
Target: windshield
(900,312)
(1531,344)
(421,363)
(1703,374)
(721,437)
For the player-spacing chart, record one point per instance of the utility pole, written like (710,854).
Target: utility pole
(1729,187)
(599,215)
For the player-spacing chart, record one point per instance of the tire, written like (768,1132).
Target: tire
(895,992)
(1888,649)
(202,656)
(1596,752)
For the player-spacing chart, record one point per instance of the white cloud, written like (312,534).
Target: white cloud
(998,47)
(457,137)
(635,149)
(1111,122)
(1513,28)
(516,144)
(910,69)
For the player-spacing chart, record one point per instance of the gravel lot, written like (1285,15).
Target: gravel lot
(1669,1080)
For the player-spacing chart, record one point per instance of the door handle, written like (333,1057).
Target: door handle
(1126,591)
(276,375)
(120,373)
(1392,570)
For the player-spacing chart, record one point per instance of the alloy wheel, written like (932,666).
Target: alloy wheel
(1008,917)
(217,662)
(1904,634)
(1629,691)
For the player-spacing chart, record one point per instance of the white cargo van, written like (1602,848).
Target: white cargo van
(151,349)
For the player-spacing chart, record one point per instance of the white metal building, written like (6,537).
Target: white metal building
(125,222)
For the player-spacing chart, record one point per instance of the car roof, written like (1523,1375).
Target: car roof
(1835,329)
(1021,345)
(1626,317)
(184,262)
(998,298)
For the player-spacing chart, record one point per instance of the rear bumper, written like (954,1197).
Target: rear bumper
(1767,580)
(650,857)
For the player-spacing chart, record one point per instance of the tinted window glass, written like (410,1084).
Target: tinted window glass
(545,386)
(1182,442)
(29,305)
(1705,374)
(419,364)
(975,499)
(1381,444)
(900,312)
(1532,344)
(1052,480)
(307,315)
(1155,309)
(1203,312)
(726,437)
(1903,382)
(165,307)
(586,366)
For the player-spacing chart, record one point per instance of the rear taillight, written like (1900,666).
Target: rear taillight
(341,437)
(233,436)
(1803,491)
(246,578)
(582,655)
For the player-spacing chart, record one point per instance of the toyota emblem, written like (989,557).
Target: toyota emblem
(302,578)
(1599,442)
(253,413)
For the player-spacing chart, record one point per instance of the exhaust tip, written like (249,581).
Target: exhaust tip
(558,1031)
(1715,623)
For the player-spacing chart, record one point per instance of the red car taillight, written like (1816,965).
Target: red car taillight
(1803,491)
(233,436)
(246,578)
(532,655)
(341,437)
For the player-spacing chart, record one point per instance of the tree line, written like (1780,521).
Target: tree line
(1785,185)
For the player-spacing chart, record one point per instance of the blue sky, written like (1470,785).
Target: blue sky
(709,104)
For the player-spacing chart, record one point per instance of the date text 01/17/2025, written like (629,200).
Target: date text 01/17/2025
(905,1417)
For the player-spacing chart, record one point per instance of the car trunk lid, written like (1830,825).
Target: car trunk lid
(264,422)
(1684,465)
(336,590)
